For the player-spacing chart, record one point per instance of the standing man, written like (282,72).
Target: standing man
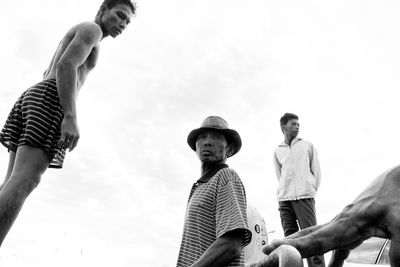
(215,229)
(298,171)
(43,121)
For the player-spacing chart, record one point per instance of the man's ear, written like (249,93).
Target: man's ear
(229,150)
(101,11)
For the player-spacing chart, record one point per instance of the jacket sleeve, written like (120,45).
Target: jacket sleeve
(277,166)
(315,167)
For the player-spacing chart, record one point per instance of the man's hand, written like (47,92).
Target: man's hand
(69,133)
(375,212)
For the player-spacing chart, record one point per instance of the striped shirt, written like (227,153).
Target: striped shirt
(214,208)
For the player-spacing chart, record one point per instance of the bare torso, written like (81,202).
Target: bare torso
(83,69)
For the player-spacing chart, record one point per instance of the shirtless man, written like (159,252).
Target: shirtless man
(43,122)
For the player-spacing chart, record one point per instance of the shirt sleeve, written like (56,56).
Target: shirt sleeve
(231,207)
(315,167)
(277,166)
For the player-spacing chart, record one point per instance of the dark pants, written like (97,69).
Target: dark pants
(301,213)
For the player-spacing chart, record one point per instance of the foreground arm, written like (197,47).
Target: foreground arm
(223,251)
(73,57)
(375,212)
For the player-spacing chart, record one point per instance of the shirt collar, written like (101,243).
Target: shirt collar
(207,176)
(211,172)
(295,140)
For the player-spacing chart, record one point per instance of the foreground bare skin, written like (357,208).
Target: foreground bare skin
(375,212)
(283,256)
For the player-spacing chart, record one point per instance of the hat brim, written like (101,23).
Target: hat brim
(232,138)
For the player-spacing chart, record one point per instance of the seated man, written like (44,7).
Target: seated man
(375,212)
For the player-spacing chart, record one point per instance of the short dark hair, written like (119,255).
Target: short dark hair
(287,117)
(111,3)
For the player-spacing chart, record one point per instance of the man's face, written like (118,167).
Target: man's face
(116,19)
(291,129)
(211,146)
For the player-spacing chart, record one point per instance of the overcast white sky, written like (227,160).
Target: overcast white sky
(121,197)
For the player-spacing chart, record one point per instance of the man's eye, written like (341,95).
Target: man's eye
(121,15)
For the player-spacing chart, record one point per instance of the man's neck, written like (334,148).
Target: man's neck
(97,20)
(209,167)
(206,166)
(289,139)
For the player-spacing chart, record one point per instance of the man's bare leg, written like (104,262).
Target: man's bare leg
(9,169)
(29,165)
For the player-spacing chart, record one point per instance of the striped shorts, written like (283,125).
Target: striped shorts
(35,120)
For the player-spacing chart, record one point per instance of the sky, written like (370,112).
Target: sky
(121,197)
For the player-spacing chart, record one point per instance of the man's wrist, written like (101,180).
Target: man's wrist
(70,116)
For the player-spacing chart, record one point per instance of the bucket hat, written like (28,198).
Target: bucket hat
(216,123)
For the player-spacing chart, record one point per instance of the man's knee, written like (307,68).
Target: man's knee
(23,184)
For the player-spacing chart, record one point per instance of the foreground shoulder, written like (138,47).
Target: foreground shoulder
(89,32)
(229,175)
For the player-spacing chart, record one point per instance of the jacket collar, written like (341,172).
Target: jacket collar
(294,141)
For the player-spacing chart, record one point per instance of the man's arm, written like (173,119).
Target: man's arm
(75,54)
(277,166)
(223,251)
(375,212)
(314,165)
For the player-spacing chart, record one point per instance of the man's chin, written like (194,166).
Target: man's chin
(207,159)
(113,35)
(212,160)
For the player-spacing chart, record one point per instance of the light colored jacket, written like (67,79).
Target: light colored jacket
(298,171)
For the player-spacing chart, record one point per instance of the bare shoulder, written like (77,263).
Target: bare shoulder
(88,32)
